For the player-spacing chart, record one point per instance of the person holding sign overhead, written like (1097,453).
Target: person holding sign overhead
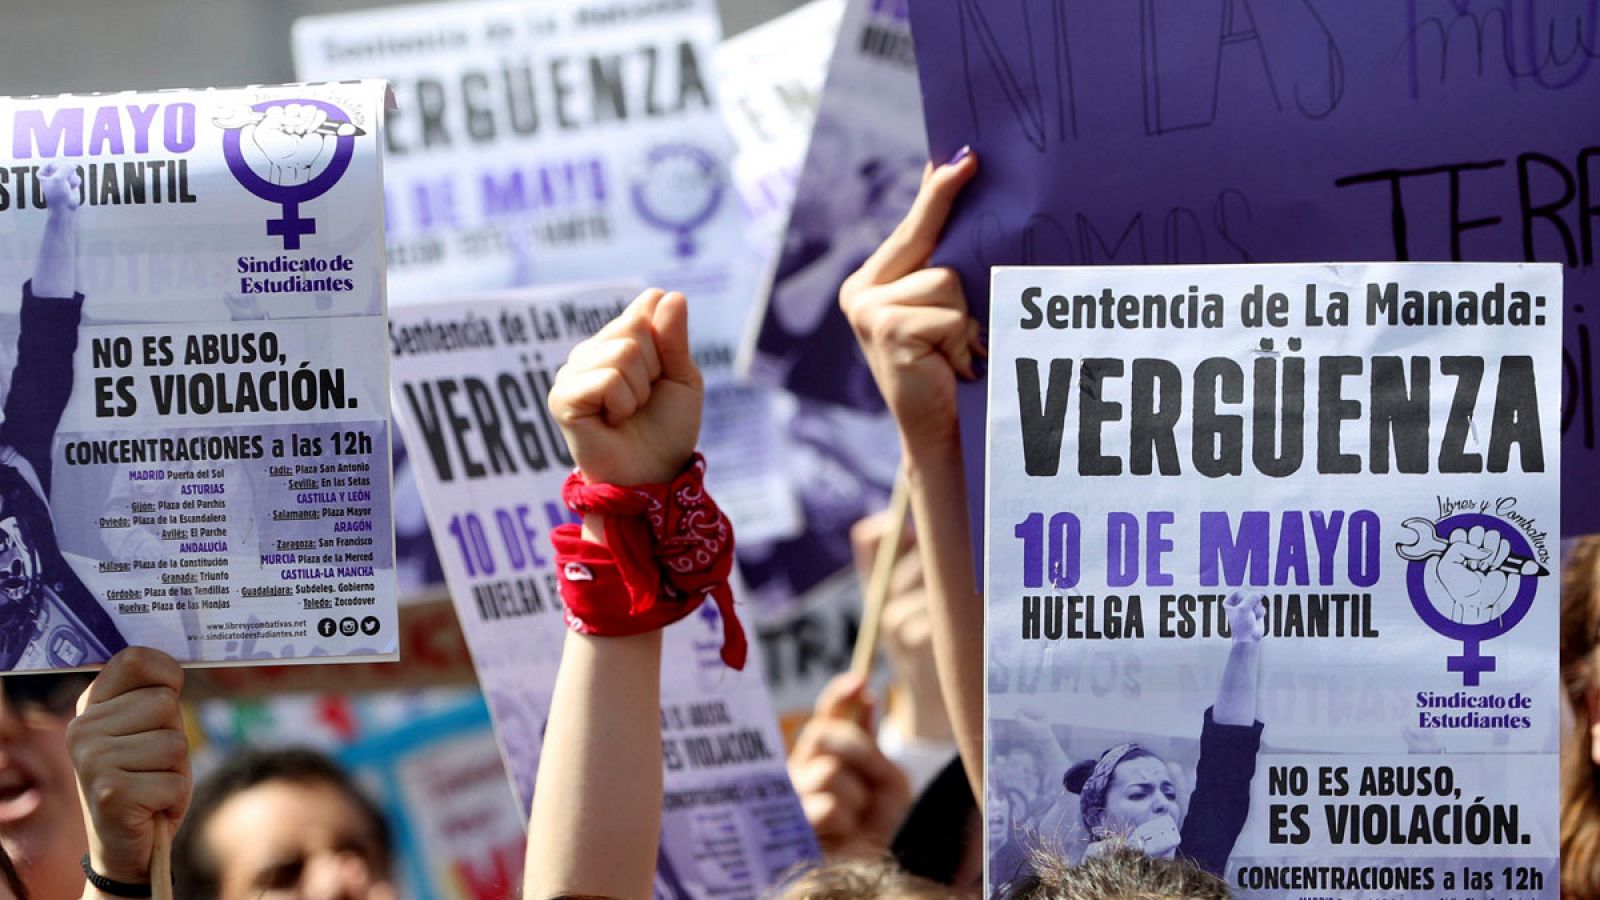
(912,323)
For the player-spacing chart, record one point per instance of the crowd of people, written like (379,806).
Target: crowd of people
(95,774)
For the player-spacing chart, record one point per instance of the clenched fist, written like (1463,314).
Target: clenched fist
(132,759)
(629,398)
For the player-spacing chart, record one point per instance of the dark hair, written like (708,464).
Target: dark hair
(1121,873)
(55,693)
(195,872)
(1580,780)
(859,880)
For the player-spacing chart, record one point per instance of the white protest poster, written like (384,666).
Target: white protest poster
(862,166)
(807,609)
(769,79)
(554,142)
(470,380)
(1373,449)
(195,449)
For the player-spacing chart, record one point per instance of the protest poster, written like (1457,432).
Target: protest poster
(442,777)
(768,82)
(559,142)
(471,375)
(1221,132)
(1371,449)
(428,639)
(195,447)
(862,168)
(806,640)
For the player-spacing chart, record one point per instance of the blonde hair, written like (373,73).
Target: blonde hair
(860,880)
(1120,873)
(1580,779)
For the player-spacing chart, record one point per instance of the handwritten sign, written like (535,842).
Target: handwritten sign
(1224,131)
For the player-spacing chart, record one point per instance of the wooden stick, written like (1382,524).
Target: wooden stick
(883,561)
(161,860)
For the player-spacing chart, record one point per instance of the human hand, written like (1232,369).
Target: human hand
(853,796)
(286,145)
(1247,616)
(1468,575)
(60,184)
(911,321)
(629,398)
(128,748)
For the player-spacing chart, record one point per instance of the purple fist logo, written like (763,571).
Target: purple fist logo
(679,189)
(1471,578)
(288,152)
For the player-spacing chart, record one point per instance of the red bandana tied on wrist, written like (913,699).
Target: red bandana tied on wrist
(667,546)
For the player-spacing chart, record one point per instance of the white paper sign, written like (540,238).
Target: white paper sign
(769,79)
(195,447)
(1375,449)
(557,142)
(470,381)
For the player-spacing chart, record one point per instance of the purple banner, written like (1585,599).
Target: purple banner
(1230,131)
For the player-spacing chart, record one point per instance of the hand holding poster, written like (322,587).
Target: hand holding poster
(1279,547)
(1232,132)
(194,453)
(470,381)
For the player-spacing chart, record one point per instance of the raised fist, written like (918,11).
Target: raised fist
(1468,575)
(629,399)
(1247,616)
(61,185)
(286,146)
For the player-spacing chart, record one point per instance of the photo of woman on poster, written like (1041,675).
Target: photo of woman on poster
(48,618)
(1128,795)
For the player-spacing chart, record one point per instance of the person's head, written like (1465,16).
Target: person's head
(1018,768)
(1580,762)
(860,880)
(1119,873)
(1125,788)
(1003,812)
(281,823)
(41,821)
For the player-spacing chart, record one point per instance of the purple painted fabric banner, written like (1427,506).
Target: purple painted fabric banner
(1229,131)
